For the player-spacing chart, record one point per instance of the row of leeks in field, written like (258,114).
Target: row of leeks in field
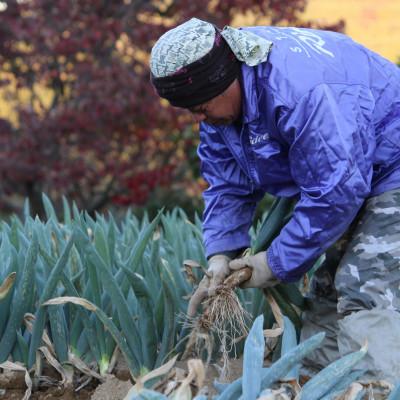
(130,273)
(280,381)
(126,277)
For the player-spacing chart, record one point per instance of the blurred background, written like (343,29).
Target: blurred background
(79,118)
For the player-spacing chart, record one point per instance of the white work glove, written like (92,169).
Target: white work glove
(218,270)
(261,276)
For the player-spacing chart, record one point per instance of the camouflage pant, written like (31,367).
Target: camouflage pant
(355,294)
(362,270)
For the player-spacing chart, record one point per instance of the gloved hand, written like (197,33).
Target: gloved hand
(261,276)
(218,270)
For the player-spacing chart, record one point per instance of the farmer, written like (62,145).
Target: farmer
(306,114)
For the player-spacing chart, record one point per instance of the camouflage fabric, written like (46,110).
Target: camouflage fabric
(181,46)
(368,275)
(355,293)
(193,39)
(362,269)
(247,46)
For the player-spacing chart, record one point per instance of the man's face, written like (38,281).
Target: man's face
(221,110)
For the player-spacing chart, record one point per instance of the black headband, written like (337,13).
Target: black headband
(202,80)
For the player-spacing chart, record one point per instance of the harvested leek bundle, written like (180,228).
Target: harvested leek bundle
(223,313)
(223,316)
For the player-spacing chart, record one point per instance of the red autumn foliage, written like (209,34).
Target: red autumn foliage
(98,135)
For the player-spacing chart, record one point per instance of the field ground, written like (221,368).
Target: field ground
(115,387)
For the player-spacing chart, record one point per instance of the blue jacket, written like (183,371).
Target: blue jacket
(321,120)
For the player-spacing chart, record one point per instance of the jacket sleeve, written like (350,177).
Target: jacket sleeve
(229,200)
(332,142)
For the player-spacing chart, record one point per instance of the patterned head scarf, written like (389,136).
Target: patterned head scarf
(195,61)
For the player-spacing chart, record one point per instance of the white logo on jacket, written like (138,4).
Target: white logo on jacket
(312,40)
(259,138)
(306,40)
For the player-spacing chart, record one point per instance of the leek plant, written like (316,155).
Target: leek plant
(130,272)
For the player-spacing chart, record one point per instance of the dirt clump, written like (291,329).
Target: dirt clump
(112,389)
(12,380)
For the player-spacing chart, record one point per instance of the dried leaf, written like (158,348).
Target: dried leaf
(272,333)
(197,374)
(68,299)
(160,370)
(275,310)
(114,359)
(7,285)
(196,367)
(81,366)
(66,378)
(352,392)
(191,264)
(139,385)
(28,321)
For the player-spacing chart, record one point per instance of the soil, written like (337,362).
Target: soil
(112,389)
(115,387)
(13,387)
(47,394)
(213,373)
